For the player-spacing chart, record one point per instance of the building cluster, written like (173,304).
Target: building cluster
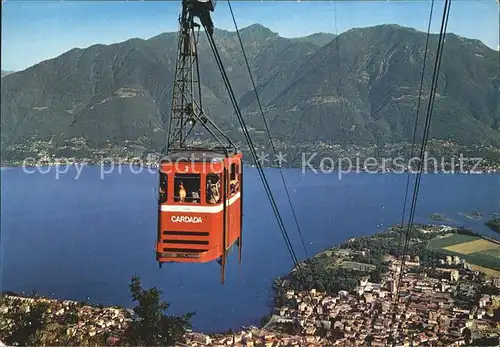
(77,150)
(411,306)
(86,321)
(412,309)
(252,337)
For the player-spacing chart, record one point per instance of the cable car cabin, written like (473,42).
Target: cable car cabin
(200,207)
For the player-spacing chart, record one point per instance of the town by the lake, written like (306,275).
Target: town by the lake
(428,297)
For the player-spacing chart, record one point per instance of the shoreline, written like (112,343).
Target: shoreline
(431,228)
(318,169)
(329,248)
(494,224)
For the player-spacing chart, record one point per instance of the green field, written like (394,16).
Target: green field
(494,253)
(488,258)
(357,266)
(450,240)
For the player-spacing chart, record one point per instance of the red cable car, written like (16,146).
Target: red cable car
(200,209)
(200,202)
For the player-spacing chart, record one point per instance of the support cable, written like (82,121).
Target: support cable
(268,131)
(252,148)
(430,106)
(257,162)
(422,76)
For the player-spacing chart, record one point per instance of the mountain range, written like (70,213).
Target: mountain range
(5,73)
(358,88)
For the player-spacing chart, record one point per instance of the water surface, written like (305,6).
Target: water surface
(85,238)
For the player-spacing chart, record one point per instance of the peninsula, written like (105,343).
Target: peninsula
(494,224)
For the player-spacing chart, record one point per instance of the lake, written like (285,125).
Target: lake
(85,238)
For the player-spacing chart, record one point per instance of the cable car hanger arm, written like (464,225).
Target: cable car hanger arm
(187,110)
(201,9)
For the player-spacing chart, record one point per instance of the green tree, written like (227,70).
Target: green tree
(70,316)
(153,327)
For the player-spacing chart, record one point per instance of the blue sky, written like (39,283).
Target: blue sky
(33,31)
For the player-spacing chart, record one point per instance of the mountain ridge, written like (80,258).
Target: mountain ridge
(6,72)
(362,94)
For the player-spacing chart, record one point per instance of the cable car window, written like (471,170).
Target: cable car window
(213,188)
(234,185)
(163,187)
(232,172)
(187,188)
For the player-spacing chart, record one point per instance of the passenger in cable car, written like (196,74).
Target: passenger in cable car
(196,196)
(213,189)
(163,188)
(163,194)
(182,192)
(187,188)
(234,185)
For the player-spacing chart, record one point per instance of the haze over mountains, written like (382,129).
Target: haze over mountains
(360,87)
(5,73)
